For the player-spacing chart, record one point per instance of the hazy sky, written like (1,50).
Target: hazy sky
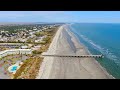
(60,16)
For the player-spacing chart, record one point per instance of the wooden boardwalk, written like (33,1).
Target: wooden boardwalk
(79,56)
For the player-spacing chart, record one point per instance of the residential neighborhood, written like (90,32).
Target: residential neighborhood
(23,44)
(22,33)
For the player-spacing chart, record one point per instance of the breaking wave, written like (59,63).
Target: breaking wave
(105,51)
(109,54)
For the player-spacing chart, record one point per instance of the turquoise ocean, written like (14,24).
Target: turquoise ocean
(101,38)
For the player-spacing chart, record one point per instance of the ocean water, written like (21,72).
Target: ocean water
(101,38)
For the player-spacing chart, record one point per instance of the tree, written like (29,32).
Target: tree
(39,34)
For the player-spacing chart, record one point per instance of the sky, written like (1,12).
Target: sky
(61,16)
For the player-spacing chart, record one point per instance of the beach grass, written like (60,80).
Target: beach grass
(29,69)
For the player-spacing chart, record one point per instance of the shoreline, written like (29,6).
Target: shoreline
(62,68)
(86,49)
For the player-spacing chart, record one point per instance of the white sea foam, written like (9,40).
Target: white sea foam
(105,51)
(109,54)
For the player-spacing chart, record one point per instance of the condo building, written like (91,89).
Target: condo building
(15,51)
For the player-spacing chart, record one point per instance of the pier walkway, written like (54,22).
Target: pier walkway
(79,56)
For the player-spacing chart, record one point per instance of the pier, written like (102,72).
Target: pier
(79,56)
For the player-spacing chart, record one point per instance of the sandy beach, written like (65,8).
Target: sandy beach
(65,43)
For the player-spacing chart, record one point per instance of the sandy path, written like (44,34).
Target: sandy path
(64,43)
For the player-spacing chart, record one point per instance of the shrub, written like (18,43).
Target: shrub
(46,39)
(37,52)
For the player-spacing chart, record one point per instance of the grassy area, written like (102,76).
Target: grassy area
(36,52)
(42,33)
(49,33)
(46,41)
(29,69)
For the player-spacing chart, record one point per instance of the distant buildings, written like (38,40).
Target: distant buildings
(10,45)
(22,33)
(24,47)
(36,41)
(15,51)
(36,47)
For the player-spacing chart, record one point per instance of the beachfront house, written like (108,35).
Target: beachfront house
(24,47)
